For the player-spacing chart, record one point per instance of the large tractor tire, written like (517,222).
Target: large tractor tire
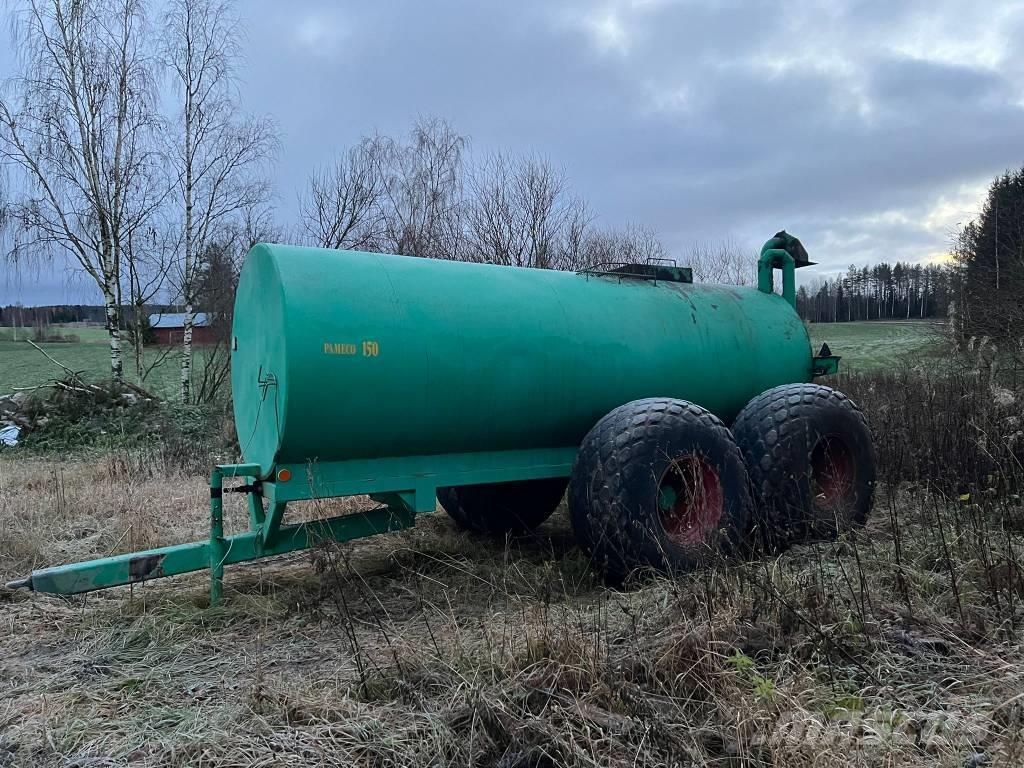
(811,463)
(503,508)
(658,484)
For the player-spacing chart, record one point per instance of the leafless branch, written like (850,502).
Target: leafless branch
(342,207)
(723,261)
(76,126)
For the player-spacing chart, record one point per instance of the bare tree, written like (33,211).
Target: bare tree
(421,197)
(722,262)
(409,197)
(77,125)
(576,230)
(632,245)
(520,213)
(147,257)
(216,286)
(342,207)
(220,159)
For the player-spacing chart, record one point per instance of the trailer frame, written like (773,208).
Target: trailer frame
(403,486)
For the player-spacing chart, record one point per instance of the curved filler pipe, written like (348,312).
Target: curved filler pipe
(784,252)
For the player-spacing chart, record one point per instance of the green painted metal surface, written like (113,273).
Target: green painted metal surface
(344,355)
(422,474)
(214,554)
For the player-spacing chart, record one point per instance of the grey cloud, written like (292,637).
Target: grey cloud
(56,281)
(844,122)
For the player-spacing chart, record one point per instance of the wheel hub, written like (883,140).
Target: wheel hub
(833,472)
(690,500)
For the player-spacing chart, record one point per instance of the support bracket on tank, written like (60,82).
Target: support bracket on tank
(825,363)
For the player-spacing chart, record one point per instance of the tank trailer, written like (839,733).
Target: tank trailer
(679,419)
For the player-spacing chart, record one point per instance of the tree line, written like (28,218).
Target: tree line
(980,292)
(989,254)
(882,291)
(61,314)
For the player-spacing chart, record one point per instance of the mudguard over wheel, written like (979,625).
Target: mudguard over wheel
(658,484)
(811,462)
(501,508)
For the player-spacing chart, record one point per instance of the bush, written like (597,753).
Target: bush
(955,430)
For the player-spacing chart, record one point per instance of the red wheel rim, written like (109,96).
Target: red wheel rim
(832,473)
(690,500)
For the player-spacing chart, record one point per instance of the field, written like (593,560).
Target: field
(875,344)
(21,365)
(435,647)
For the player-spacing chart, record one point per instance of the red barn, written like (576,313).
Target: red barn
(169,329)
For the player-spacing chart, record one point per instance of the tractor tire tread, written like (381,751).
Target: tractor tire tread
(762,429)
(609,458)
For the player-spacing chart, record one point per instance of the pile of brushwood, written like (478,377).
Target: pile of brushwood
(73,415)
(36,411)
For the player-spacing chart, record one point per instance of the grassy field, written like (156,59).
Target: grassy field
(875,344)
(21,365)
(88,334)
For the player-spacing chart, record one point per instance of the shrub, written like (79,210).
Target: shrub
(955,430)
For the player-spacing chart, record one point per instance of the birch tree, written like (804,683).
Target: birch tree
(76,129)
(148,256)
(421,198)
(341,208)
(220,157)
(520,213)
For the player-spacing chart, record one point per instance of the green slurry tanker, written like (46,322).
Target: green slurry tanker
(680,417)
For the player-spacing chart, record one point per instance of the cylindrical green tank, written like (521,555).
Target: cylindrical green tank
(347,355)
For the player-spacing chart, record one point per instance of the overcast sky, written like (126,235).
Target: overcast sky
(869,129)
